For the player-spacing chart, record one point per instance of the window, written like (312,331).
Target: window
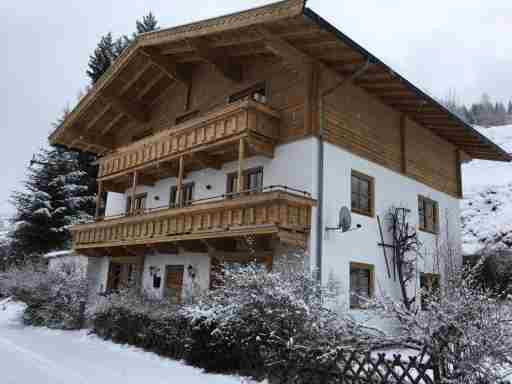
(257,92)
(187,195)
(429,284)
(253,181)
(428,211)
(139,206)
(362,189)
(361,284)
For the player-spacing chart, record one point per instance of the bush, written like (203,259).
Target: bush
(131,318)
(54,299)
(256,324)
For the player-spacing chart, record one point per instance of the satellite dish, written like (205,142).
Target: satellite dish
(345,219)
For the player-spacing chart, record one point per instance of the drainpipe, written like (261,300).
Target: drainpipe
(320,165)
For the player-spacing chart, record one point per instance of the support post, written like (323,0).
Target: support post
(241,159)
(179,183)
(98,199)
(134,189)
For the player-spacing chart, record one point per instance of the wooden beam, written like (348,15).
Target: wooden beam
(102,141)
(166,65)
(98,199)
(311,100)
(179,182)
(126,86)
(280,47)
(134,190)
(241,161)
(129,108)
(219,61)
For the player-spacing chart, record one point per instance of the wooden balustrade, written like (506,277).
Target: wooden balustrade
(282,213)
(246,118)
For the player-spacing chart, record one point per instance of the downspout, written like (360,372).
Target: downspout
(320,165)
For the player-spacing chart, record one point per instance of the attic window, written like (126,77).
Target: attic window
(257,92)
(428,211)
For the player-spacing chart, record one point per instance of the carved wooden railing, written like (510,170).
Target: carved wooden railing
(246,118)
(277,211)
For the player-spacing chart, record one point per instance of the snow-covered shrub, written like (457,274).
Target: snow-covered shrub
(274,324)
(465,328)
(130,317)
(54,299)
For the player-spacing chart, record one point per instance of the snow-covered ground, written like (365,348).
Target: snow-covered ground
(43,356)
(487,206)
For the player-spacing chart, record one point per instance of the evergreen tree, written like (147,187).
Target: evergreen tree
(109,49)
(510,108)
(102,58)
(59,191)
(149,23)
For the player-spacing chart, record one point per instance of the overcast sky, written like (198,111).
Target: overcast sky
(461,45)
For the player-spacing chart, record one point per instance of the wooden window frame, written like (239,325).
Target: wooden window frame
(249,93)
(371,284)
(183,203)
(232,175)
(422,223)
(371,193)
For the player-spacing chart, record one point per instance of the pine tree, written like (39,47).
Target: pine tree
(59,191)
(109,49)
(149,23)
(102,58)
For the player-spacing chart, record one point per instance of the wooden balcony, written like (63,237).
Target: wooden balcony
(210,136)
(276,211)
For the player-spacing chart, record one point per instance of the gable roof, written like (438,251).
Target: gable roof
(293,24)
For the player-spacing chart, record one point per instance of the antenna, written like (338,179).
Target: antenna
(344,221)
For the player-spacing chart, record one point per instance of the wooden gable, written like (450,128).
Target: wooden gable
(225,54)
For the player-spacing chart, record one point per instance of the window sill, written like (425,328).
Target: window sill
(362,213)
(428,231)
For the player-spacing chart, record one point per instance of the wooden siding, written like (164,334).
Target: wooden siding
(363,125)
(209,90)
(262,213)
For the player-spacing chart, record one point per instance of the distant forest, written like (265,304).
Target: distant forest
(485,113)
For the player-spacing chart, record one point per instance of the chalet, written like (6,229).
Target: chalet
(241,137)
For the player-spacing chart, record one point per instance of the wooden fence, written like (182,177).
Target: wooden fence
(379,368)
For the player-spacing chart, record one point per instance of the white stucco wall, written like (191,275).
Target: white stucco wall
(199,261)
(391,189)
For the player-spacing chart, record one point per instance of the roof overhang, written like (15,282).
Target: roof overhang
(157,60)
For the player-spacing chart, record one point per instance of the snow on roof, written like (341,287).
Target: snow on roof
(486,210)
(50,255)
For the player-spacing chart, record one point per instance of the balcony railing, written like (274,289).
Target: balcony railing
(246,118)
(278,210)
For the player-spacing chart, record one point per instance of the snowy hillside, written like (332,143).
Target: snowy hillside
(487,206)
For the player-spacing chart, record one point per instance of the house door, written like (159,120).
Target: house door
(174,283)
(122,275)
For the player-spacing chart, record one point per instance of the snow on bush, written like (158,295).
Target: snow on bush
(254,323)
(54,299)
(464,327)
